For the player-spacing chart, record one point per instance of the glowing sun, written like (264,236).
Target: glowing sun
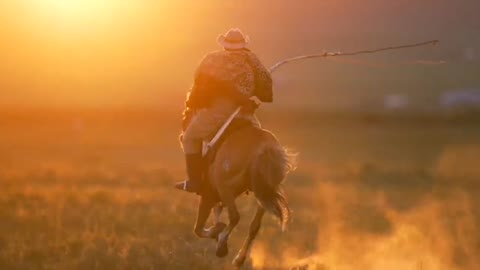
(74,9)
(83,12)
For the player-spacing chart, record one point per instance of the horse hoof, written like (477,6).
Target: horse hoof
(217,229)
(222,250)
(238,261)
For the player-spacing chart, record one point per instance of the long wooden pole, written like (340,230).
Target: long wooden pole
(327,54)
(214,140)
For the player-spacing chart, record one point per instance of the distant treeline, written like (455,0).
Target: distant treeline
(163,117)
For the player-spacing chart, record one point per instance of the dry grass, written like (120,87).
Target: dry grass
(85,192)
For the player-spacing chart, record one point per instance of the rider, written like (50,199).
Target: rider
(223,81)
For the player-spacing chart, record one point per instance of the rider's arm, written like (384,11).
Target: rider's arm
(248,105)
(198,96)
(263,80)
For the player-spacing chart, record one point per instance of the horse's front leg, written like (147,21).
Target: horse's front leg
(247,245)
(219,226)
(218,212)
(228,200)
(204,210)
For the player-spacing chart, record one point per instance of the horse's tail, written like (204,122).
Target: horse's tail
(268,171)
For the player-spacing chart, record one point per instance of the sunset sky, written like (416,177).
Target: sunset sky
(111,52)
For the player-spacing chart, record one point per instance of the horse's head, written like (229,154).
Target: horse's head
(187,116)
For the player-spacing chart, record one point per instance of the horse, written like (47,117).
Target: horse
(247,158)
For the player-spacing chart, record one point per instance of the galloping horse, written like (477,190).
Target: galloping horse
(248,158)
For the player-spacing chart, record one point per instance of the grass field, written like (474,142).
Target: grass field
(93,190)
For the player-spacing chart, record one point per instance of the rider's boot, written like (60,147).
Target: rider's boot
(194,172)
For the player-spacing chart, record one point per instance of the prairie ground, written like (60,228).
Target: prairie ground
(93,190)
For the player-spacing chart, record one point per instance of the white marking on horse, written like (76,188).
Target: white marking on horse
(226,165)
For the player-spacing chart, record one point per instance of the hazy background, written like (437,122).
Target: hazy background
(91,94)
(97,53)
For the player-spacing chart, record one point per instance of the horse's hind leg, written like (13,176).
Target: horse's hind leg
(254,228)
(234,217)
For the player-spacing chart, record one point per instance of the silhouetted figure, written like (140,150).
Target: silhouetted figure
(223,81)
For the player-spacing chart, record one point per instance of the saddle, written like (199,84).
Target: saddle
(234,126)
(230,127)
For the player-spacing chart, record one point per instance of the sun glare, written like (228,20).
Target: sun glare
(82,13)
(73,9)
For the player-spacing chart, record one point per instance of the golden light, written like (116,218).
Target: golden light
(84,51)
(83,15)
(73,10)
(71,5)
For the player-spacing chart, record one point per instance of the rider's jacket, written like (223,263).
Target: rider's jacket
(222,74)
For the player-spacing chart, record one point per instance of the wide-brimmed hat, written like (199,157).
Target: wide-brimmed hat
(234,39)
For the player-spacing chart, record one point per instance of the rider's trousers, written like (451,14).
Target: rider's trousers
(206,122)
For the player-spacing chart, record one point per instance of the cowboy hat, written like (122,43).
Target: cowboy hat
(234,39)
